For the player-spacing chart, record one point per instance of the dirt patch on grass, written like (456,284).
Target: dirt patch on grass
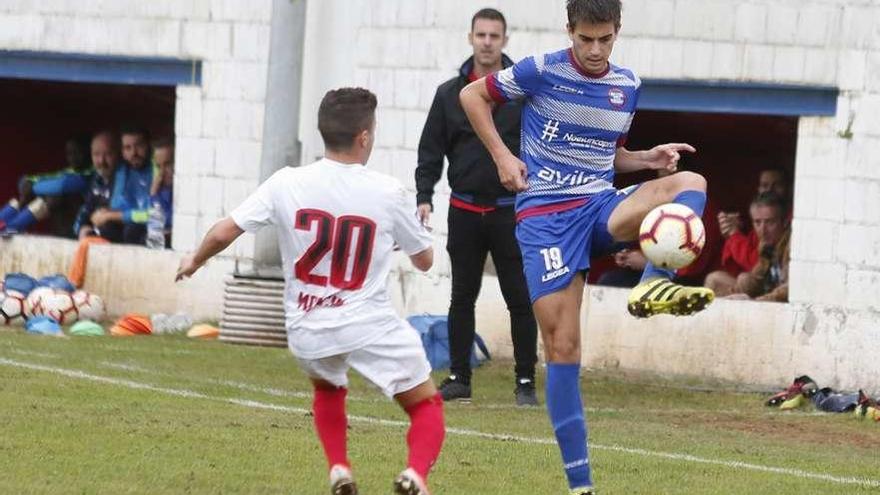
(835,429)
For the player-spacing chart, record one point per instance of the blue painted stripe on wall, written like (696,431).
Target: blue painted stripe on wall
(737,97)
(112,69)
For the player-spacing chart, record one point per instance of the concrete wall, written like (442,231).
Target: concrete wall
(218,126)
(402,49)
(130,279)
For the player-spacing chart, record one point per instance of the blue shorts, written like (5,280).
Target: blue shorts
(558,245)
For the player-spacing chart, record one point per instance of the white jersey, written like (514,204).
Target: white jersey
(337,226)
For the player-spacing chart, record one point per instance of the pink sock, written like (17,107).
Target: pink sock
(425,436)
(331,423)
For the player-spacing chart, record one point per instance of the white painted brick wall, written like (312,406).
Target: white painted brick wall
(668,59)
(408,47)
(823,283)
(859,245)
(727,60)
(249,41)
(21,31)
(851,68)
(188,112)
(236,159)
(185,226)
(782,23)
(789,63)
(820,66)
(863,161)
(813,240)
(862,203)
(861,289)
(197,154)
(186,195)
(859,22)
(751,23)
(703,19)
(236,10)
(206,40)
(639,18)
(815,24)
(866,111)
(808,189)
(235,191)
(697,59)
(758,62)
(821,157)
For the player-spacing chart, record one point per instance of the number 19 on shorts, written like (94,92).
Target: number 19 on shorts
(554,265)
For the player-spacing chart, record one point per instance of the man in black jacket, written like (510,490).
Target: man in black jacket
(481,214)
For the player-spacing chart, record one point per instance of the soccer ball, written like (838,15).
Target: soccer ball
(672,236)
(89,306)
(54,303)
(11,307)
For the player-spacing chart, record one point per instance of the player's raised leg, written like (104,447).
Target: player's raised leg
(656,293)
(424,405)
(558,315)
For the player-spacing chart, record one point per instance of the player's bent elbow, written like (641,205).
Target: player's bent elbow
(423,260)
(226,230)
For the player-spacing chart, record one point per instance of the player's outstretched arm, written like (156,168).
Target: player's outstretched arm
(423,260)
(221,235)
(664,156)
(477,104)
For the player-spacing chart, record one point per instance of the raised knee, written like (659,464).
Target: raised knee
(690,181)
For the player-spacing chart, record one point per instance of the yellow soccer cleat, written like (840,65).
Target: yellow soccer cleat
(795,402)
(662,296)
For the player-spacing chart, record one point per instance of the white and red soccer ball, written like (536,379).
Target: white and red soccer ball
(12,307)
(89,306)
(54,303)
(672,236)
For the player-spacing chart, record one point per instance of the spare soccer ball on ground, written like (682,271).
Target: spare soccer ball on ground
(54,303)
(89,306)
(672,236)
(12,307)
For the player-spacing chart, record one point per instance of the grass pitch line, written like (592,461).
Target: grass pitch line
(797,473)
(299,394)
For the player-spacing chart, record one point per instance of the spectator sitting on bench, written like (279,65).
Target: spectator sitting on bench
(162,190)
(105,157)
(767,280)
(39,195)
(130,200)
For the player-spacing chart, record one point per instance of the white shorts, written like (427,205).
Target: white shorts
(395,362)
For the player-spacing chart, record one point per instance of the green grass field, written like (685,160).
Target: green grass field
(169,415)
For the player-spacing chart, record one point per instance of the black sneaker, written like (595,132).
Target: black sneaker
(453,388)
(525,392)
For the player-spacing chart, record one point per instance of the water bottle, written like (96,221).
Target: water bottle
(156,227)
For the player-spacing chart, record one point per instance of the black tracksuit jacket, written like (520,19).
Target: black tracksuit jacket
(472,174)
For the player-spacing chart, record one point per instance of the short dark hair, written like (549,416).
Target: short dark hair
(490,14)
(163,142)
(134,129)
(593,12)
(773,200)
(775,169)
(344,113)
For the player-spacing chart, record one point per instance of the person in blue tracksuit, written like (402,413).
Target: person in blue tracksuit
(39,195)
(130,200)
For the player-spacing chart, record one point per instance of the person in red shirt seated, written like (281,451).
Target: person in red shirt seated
(759,260)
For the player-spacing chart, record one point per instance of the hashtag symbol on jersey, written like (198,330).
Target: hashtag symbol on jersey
(550,129)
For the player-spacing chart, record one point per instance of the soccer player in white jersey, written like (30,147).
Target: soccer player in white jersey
(577,111)
(337,223)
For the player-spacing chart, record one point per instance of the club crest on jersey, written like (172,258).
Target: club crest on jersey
(616,97)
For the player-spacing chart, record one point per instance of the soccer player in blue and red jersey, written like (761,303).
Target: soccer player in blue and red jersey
(577,112)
